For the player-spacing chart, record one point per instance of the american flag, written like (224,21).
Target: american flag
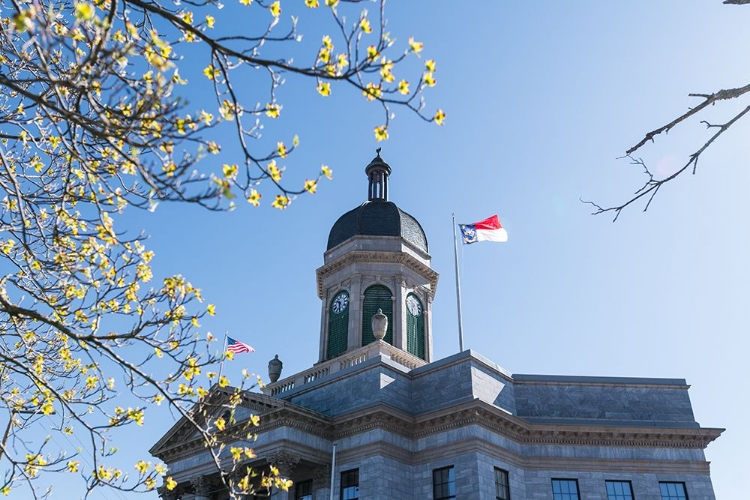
(238,347)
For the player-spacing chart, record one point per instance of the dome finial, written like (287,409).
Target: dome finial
(377,172)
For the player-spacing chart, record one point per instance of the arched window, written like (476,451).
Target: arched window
(376,297)
(338,325)
(414,326)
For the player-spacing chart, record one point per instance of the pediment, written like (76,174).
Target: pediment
(184,438)
(185,431)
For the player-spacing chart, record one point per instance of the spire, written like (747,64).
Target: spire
(377,172)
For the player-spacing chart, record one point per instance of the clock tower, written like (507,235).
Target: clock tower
(377,260)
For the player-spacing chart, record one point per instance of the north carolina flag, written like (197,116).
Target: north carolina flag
(237,347)
(486,230)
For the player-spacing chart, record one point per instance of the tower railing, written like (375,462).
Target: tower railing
(346,360)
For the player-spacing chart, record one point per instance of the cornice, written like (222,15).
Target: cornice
(479,413)
(376,257)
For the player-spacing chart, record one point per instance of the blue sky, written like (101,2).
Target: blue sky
(541,98)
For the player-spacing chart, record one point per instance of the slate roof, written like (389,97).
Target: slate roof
(377,218)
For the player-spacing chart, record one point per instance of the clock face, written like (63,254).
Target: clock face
(340,303)
(415,308)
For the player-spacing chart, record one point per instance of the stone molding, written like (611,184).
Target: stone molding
(372,257)
(476,412)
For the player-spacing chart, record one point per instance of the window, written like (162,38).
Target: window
(502,489)
(565,489)
(350,485)
(443,483)
(376,297)
(619,490)
(303,490)
(414,326)
(673,491)
(338,324)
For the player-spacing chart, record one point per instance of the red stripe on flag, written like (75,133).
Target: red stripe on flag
(490,223)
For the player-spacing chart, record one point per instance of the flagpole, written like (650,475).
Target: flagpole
(458,289)
(223,356)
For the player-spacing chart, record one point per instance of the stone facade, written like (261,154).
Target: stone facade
(401,420)
(396,425)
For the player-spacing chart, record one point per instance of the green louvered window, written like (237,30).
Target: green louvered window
(338,325)
(414,326)
(376,297)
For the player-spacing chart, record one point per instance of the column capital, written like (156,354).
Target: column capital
(202,486)
(322,477)
(285,462)
(166,494)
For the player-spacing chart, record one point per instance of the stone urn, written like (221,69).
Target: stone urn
(379,324)
(274,369)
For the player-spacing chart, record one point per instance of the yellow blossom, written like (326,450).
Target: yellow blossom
(311,186)
(281,149)
(439,117)
(230,171)
(430,65)
(254,197)
(372,91)
(416,47)
(327,172)
(272,110)
(324,89)
(210,21)
(364,25)
(312,4)
(281,202)
(275,9)
(403,87)
(84,11)
(170,483)
(273,171)
(381,133)
(211,72)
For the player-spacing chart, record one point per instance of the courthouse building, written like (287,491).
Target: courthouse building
(378,418)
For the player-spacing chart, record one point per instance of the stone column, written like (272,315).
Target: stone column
(322,483)
(202,488)
(285,463)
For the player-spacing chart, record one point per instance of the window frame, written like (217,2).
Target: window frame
(617,496)
(450,483)
(505,484)
(377,296)
(338,327)
(347,483)
(565,495)
(682,484)
(415,328)
(298,490)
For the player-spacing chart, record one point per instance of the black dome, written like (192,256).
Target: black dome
(377,218)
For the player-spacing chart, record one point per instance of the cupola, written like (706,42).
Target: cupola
(376,262)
